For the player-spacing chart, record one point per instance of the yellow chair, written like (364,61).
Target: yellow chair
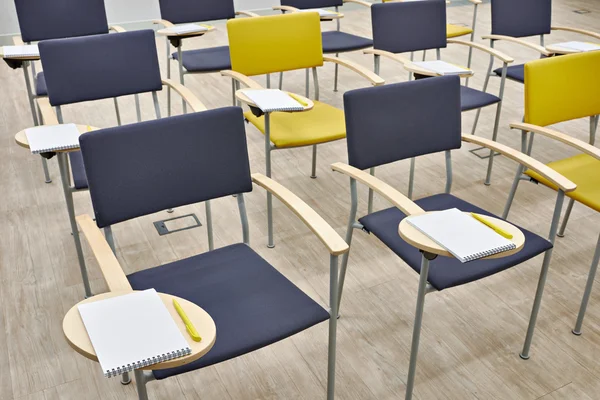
(265,45)
(561,89)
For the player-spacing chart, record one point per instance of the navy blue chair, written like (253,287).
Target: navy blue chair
(43,20)
(130,171)
(431,122)
(201,61)
(334,42)
(419,26)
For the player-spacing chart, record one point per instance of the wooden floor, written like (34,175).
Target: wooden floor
(471,335)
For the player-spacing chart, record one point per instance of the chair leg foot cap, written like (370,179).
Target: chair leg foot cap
(523,357)
(126,382)
(48,181)
(576,333)
(487,183)
(559,235)
(270,246)
(313,177)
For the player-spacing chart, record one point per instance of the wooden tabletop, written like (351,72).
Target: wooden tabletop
(416,238)
(415,69)
(78,339)
(166,32)
(241,96)
(21,138)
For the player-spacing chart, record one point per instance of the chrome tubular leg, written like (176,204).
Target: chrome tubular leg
(593,128)
(117,112)
(376,63)
(280,80)
(307,84)
(108,235)
(411,179)
(140,383)
(268,81)
(125,378)
(438,53)
(448,157)
(414,348)
(30,93)
(349,232)
(488,176)
(316,82)
(47,178)
(209,226)
(180,63)
(270,243)
(138,111)
(370,203)
(168,76)
(412,58)
(331,348)
(515,184)
(335,77)
(233,100)
(243,218)
(563,226)
(156,105)
(424,54)
(588,290)
(314,162)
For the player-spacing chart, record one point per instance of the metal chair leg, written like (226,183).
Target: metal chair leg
(488,176)
(270,243)
(141,378)
(588,290)
(563,226)
(314,162)
(168,76)
(335,78)
(331,348)
(280,80)
(349,232)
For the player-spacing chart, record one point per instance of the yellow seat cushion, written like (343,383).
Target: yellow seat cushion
(453,31)
(584,171)
(324,123)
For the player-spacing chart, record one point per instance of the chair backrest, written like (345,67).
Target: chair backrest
(409,26)
(303,4)
(100,66)
(139,169)
(277,43)
(394,122)
(181,11)
(562,88)
(521,18)
(45,19)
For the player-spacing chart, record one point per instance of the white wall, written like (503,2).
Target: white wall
(119,11)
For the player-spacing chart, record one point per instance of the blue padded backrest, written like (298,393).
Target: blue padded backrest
(521,18)
(54,19)
(394,122)
(409,26)
(180,11)
(100,66)
(139,169)
(303,4)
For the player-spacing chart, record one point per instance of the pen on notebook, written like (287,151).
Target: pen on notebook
(298,99)
(497,229)
(89,128)
(188,324)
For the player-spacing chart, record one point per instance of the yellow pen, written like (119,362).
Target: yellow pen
(298,99)
(487,223)
(188,324)
(89,128)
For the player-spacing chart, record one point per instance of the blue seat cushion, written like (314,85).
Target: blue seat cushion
(252,304)
(471,99)
(40,85)
(446,272)
(212,59)
(513,72)
(78,170)
(339,42)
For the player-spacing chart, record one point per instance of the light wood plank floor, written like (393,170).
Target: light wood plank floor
(471,335)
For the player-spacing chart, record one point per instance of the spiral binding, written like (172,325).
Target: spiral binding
(483,254)
(148,361)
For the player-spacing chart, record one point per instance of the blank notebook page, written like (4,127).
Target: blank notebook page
(28,50)
(579,46)
(442,67)
(132,331)
(269,100)
(48,138)
(462,235)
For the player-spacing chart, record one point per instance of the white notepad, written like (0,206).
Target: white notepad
(186,28)
(132,331)
(442,67)
(48,138)
(322,13)
(29,50)
(269,100)
(579,46)
(462,235)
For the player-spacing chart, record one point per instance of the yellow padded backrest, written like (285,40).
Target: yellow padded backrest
(262,45)
(562,88)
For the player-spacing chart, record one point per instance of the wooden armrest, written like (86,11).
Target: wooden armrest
(561,137)
(17,41)
(330,238)
(285,8)
(362,3)
(499,55)
(387,54)
(117,29)
(551,175)
(375,79)
(476,2)
(248,82)
(186,94)
(48,115)
(247,13)
(577,30)
(111,269)
(511,39)
(396,198)
(163,22)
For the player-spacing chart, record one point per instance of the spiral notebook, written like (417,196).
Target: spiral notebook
(322,13)
(442,67)
(269,100)
(132,331)
(462,235)
(186,28)
(579,46)
(49,138)
(28,50)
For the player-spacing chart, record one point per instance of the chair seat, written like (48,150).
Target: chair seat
(513,72)
(40,85)
(446,272)
(471,99)
(453,31)
(78,170)
(324,123)
(339,42)
(212,59)
(584,171)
